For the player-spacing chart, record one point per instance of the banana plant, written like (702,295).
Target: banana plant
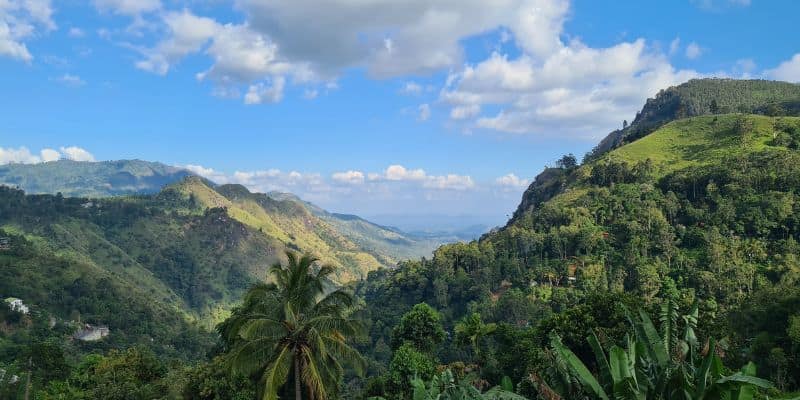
(647,368)
(445,386)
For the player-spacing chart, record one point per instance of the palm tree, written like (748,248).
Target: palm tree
(298,323)
(472,329)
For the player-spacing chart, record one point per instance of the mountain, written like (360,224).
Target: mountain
(355,244)
(689,206)
(383,246)
(91,179)
(705,97)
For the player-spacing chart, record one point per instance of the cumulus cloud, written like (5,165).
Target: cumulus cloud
(239,54)
(22,155)
(571,89)
(261,93)
(693,50)
(787,71)
(512,181)
(187,33)
(400,173)
(349,177)
(674,46)
(411,88)
(48,155)
(18,156)
(75,153)
(21,20)
(395,189)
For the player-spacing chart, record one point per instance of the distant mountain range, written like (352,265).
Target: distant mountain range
(348,240)
(91,179)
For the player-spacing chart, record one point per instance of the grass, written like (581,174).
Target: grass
(698,141)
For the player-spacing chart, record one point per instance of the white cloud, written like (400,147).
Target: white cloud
(260,93)
(349,177)
(411,88)
(21,20)
(424,112)
(76,32)
(512,181)
(674,46)
(127,7)
(187,34)
(693,50)
(310,94)
(22,155)
(396,189)
(75,153)
(18,156)
(787,71)
(48,155)
(574,90)
(450,181)
(400,173)
(465,112)
(71,80)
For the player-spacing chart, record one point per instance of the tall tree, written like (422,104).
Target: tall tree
(299,323)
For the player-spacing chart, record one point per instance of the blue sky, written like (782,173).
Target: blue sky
(369,107)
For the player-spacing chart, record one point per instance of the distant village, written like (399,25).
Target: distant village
(84,332)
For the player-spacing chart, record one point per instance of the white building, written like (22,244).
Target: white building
(91,333)
(17,305)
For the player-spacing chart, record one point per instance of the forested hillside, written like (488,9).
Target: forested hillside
(705,97)
(666,266)
(703,211)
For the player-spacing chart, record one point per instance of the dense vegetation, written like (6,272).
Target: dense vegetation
(705,97)
(667,267)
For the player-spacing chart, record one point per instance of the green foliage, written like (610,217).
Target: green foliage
(420,327)
(407,362)
(445,386)
(702,97)
(133,374)
(471,329)
(647,369)
(296,325)
(213,381)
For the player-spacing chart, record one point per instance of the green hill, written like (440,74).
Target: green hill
(698,209)
(359,244)
(91,179)
(705,97)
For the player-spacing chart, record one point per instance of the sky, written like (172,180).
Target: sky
(373,107)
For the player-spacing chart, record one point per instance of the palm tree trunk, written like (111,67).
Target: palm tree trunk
(297,389)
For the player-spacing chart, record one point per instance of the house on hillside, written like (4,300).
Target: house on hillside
(17,305)
(5,244)
(91,333)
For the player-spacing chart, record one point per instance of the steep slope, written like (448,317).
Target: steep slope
(389,241)
(151,268)
(91,179)
(703,97)
(378,245)
(706,208)
(356,245)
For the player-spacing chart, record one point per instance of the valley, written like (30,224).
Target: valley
(674,235)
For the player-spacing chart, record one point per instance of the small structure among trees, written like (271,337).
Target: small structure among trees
(17,305)
(91,333)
